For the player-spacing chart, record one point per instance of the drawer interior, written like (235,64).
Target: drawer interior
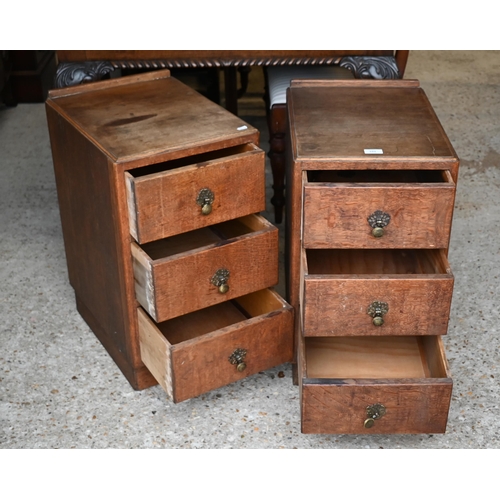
(192,160)
(219,316)
(203,237)
(379,176)
(373,358)
(375,261)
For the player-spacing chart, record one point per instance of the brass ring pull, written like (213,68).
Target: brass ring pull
(378,220)
(205,199)
(238,359)
(219,279)
(374,412)
(377,310)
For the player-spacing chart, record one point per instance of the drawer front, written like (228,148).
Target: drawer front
(340,407)
(196,365)
(337,215)
(194,196)
(196,279)
(408,376)
(342,306)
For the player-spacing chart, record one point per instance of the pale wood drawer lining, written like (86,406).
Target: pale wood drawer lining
(211,319)
(377,358)
(373,261)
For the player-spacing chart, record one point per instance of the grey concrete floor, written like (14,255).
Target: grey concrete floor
(60,389)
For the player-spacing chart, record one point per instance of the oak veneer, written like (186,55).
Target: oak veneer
(189,355)
(343,376)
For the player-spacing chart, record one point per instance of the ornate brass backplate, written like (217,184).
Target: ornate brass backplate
(377,310)
(205,199)
(238,359)
(219,279)
(378,220)
(374,412)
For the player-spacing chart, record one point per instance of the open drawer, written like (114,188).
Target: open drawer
(386,385)
(193,270)
(218,345)
(375,292)
(196,191)
(377,208)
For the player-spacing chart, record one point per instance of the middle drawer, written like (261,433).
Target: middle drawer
(194,270)
(375,292)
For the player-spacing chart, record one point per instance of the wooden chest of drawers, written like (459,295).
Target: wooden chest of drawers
(371,180)
(159,192)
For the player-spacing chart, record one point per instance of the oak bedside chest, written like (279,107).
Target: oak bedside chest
(371,182)
(159,192)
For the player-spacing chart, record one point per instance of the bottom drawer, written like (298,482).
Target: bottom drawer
(374,385)
(212,347)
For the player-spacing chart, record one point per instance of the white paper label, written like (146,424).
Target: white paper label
(374,151)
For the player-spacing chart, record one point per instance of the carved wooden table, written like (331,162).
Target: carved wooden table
(79,66)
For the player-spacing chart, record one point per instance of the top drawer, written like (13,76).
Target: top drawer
(198,191)
(377,208)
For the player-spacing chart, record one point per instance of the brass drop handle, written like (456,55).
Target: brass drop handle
(219,279)
(374,412)
(238,359)
(378,220)
(377,310)
(205,199)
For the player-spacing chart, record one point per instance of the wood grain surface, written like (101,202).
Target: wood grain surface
(340,120)
(175,284)
(336,268)
(413,406)
(195,348)
(409,376)
(103,135)
(418,295)
(363,357)
(153,115)
(336,214)
(165,203)
(94,243)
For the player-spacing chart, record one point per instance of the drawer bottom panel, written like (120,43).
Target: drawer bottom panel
(344,378)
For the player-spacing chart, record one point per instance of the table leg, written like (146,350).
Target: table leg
(230,89)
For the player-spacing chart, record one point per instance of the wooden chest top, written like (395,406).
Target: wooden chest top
(139,116)
(342,119)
